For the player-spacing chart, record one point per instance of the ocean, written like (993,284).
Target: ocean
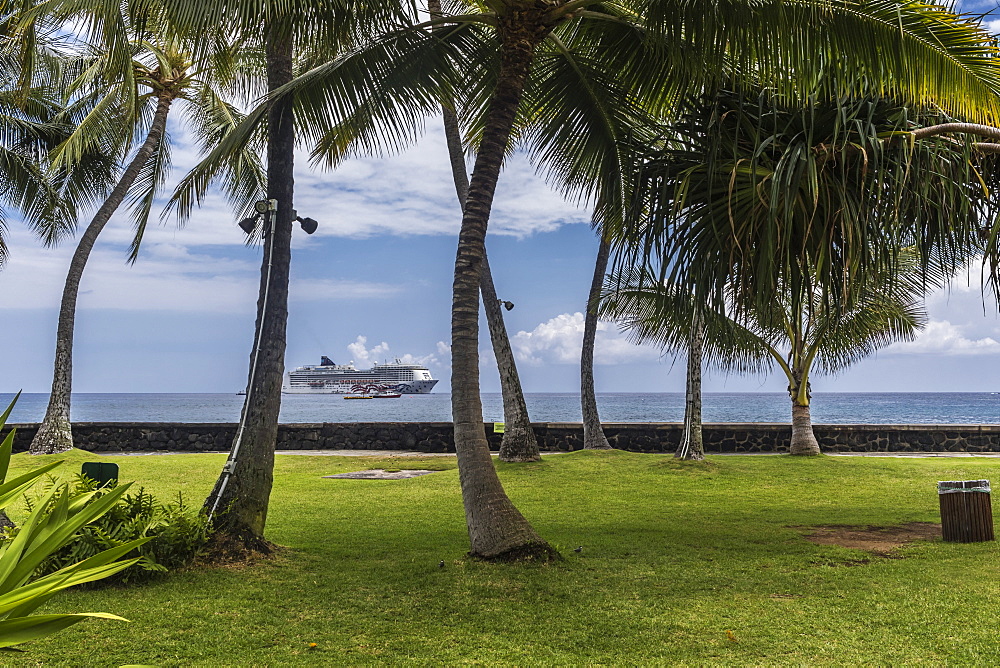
(827,408)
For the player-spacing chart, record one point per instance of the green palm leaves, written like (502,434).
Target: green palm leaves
(39,536)
(749,195)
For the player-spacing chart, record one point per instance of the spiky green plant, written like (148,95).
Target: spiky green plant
(41,534)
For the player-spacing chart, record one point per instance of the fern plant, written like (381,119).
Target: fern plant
(175,531)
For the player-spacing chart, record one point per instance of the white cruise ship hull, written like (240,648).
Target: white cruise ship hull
(411,387)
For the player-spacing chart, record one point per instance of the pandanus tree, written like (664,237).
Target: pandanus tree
(130,88)
(812,228)
(380,92)
(798,333)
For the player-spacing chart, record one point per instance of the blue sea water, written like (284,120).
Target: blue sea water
(827,408)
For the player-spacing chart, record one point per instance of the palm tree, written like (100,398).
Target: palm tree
(31,120)
(310,31)
(751,193)
(791,221)
(798,331)
(593,433)
(518,443)
(692,445)
(121,106)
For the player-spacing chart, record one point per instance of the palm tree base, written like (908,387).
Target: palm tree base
(235,547)
(692,456)
(594,439)
(536,551)
(519,445)
(52,437)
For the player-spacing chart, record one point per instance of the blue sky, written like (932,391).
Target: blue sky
(374,283)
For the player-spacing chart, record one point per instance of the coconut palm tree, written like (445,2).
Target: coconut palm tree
(519,443)
(32,120)
(290,33)
(123,105)
(593,433)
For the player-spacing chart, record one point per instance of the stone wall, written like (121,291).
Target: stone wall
(552,436)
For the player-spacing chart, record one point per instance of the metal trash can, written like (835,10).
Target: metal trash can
(966,513)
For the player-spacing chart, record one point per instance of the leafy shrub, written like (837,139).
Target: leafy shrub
(41,534)
(175,531)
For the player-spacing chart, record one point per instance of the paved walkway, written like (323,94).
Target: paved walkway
(413,453)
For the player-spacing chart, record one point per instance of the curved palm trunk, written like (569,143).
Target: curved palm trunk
(242,500)
(519,443)
(692,445)
(55,433)
(497,530)
(593,434)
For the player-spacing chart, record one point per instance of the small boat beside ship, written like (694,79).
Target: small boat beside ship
(380,395)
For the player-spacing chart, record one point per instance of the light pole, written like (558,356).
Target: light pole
(266,214)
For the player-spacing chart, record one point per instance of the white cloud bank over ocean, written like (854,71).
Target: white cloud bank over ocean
(559,340)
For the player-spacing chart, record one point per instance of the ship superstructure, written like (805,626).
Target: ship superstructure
(328,377)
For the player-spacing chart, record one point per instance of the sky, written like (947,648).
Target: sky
(374,283)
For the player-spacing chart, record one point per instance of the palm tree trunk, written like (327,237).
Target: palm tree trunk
(803,439)
(54,433)
(243,490)
(497,530)
(593,434)
(519,443)
(692,445)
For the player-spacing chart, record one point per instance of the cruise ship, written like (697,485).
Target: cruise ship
(327,377)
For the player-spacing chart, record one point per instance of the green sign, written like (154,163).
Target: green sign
(105,473)
(498,427)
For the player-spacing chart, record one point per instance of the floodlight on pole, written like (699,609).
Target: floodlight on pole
(506,304)
(309,225)
(248,225)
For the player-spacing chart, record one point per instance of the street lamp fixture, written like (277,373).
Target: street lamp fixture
(267,207)
(507,305)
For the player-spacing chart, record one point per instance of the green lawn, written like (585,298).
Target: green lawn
(674,556)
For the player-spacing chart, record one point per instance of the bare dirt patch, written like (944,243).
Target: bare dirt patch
(882,541)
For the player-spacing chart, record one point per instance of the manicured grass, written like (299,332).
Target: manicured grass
(674,556)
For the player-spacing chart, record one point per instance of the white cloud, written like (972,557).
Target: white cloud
(941,337)
(365,357)
(413,193)
(169,277)
(559,340)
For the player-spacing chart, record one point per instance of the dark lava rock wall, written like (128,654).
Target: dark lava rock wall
(552,436)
